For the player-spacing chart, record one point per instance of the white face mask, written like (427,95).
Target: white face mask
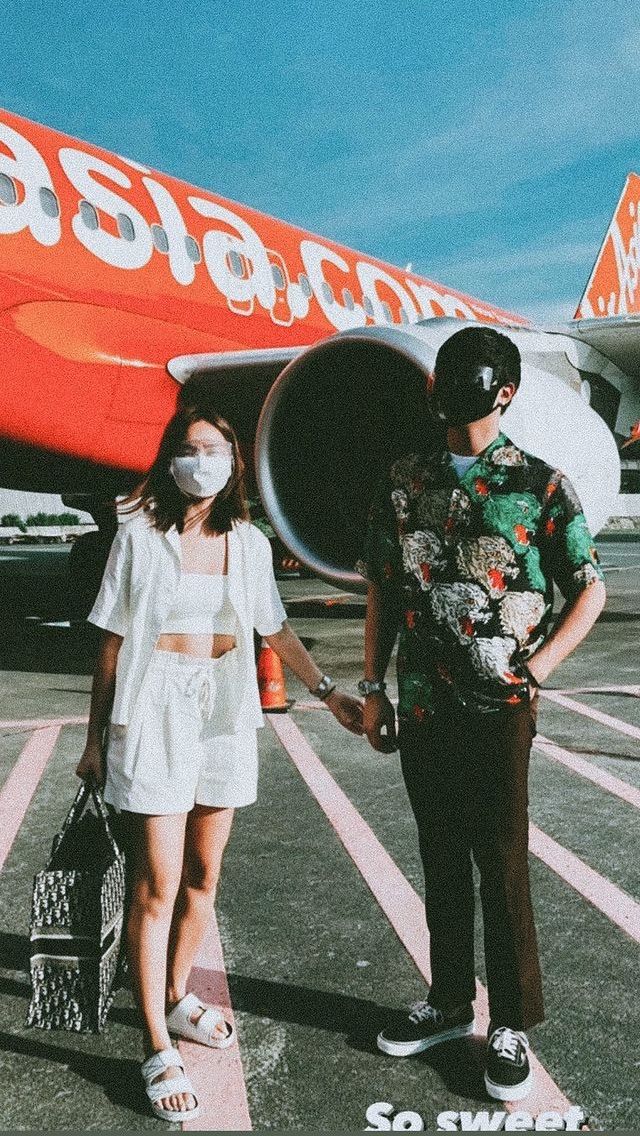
(201,475)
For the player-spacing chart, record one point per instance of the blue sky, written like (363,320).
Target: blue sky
(486,144)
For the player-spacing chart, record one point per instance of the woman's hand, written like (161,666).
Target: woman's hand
(91,764)
(379,713)
(347,710)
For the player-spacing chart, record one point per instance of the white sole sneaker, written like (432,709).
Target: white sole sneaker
(509,1092)
(408,1048)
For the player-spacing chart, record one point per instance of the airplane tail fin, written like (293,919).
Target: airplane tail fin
(613,288)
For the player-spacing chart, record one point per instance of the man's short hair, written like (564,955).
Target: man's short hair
(480,347)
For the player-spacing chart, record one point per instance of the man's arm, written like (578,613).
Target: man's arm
(380,633)
(574,622)
(571,558)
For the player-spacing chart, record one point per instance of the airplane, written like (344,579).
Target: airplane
(121,286)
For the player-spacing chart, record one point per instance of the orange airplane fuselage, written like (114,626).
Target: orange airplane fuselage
(109,270)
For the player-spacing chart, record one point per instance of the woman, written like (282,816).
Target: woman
(187,580)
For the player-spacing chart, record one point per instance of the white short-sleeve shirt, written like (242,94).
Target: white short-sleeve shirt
(138,588)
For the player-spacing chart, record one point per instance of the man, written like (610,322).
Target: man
(462,547)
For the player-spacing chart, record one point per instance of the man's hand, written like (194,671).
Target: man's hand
(379,715)
(347,710)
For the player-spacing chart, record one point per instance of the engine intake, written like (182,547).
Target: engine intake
(335,418)
(338,415)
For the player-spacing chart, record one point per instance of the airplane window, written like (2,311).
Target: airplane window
(387,312)
(348,299)
(368,306)
(89,215)
(49,202)
(278,278)
(8,192)
(303,281)
(235,263)
(327,292)
(160,239)
(125,227)
(193,249)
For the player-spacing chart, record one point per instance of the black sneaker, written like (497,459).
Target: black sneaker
(508,1076)
(425,1026)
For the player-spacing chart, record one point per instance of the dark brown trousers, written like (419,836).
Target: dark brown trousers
(466,775)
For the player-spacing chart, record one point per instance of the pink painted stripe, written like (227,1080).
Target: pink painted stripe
(591,772)
(318,704)
(619,907)
(589,712)
(634,689)
(39,723)
(21,784)
(217,1074)
(398,900)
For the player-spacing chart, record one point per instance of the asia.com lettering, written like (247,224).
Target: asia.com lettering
(383,1117)
(237,262)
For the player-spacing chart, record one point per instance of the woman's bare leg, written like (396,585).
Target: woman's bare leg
(159,847)
(206,836)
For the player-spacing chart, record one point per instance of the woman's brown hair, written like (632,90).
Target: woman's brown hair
(158,495)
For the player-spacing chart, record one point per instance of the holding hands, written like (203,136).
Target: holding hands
(347,710)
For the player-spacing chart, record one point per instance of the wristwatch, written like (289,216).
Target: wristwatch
(324,688)
(368,686)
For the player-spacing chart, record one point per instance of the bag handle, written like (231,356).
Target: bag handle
(87,788)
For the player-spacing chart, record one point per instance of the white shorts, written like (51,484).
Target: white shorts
(160,763)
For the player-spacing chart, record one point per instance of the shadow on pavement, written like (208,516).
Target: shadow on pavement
(29,645)
(459,1063)
(118,1077)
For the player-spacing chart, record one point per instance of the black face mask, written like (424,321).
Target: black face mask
(464,396)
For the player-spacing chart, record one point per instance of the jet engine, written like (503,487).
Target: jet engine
(340,413)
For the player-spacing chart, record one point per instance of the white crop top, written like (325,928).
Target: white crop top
(201,606)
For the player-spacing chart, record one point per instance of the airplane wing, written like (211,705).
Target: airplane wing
(237,381)
(616,337)
(264,362)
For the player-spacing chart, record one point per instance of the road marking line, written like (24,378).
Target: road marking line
(40,723)
(586,769)
(589,712)
(635,690)
(217,1074)
(21,784)
(317,705)
(397,898)
(606,897)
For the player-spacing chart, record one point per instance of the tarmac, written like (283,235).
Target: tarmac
(320,930)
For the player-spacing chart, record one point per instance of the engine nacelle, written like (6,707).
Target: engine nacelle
(339,414)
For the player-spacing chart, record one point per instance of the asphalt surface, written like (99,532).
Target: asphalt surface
(314,966)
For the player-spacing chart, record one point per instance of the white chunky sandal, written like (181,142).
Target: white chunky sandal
(157,1090)
(179,1022)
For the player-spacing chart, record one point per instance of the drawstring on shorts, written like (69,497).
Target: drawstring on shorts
(203,686)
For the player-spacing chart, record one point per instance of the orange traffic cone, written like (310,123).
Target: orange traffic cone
(273,692)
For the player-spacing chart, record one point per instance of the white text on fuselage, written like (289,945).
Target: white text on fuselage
(238,264)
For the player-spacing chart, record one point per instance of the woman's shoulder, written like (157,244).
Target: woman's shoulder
(252,535)
(135,526)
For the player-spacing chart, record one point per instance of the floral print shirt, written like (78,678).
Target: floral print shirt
(471,562)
